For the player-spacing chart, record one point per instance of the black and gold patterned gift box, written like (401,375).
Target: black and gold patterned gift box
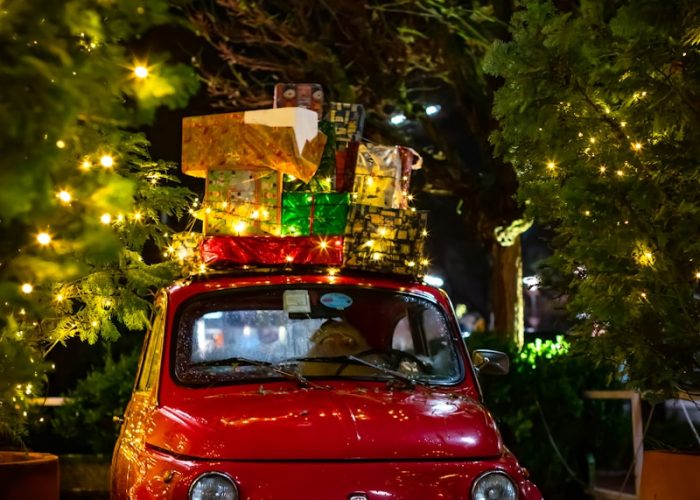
(386,240)
(348,120)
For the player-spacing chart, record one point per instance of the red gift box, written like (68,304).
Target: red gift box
(345,162)
(273,250)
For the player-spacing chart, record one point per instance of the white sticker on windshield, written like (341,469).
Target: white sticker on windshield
(336,301)
(296,301)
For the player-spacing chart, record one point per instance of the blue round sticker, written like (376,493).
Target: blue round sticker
(336,300)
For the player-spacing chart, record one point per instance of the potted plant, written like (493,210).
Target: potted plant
(23,474)
(82,431)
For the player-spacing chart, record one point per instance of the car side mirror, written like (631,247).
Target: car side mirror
(490,362)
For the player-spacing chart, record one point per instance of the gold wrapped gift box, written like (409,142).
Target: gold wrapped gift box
(286,140)
(383,175)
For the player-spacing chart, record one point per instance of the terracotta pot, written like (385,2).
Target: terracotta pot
(28,475)
(668,475)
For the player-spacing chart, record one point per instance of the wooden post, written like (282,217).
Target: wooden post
(637,438)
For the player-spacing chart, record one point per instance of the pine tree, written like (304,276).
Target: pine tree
(600,115)
(81,195)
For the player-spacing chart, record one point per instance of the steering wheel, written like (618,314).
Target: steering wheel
(394,356)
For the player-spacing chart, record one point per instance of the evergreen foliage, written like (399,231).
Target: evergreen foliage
(600,115)
(81,195)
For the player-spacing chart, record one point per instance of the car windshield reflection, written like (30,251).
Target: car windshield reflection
(314,332)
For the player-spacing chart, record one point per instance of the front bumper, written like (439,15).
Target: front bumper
(163,476)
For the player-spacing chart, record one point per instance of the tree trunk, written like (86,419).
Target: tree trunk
(507,292)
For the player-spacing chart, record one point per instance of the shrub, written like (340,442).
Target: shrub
(543,416)
(86,421)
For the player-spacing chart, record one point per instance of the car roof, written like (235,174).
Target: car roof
(232,279)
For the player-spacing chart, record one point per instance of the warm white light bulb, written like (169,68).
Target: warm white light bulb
(141,72)
(43,238)
(107,161)
(106,218)
(27,288)
(64,196)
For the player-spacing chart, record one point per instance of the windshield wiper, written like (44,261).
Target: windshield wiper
(238,360)
(350,359)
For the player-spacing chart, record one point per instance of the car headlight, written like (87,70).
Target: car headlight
(494,485)
(213,486)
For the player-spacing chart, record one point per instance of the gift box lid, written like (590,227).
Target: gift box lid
(303,121)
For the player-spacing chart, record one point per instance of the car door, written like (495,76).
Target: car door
(131,441)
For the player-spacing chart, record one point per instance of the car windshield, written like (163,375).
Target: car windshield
(316,331)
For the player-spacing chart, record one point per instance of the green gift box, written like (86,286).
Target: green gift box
(386,240)
(306,214)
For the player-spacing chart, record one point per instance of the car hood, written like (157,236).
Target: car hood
(328,424)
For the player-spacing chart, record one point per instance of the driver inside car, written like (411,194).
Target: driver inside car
(336,338)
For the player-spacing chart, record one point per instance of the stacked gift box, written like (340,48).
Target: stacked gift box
(287,186)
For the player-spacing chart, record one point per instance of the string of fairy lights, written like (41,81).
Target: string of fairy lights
(185,250)
(22,392)
(65,196)
(642,252)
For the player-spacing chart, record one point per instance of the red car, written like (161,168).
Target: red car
(311,386)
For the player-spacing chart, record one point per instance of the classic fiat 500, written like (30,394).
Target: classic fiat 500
(311,386)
